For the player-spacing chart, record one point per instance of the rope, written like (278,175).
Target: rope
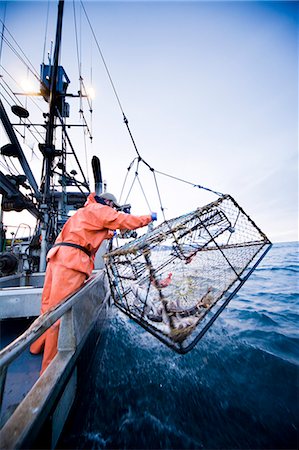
(154,172)
(133,182)
(126,177)
(142,190)
(132,139)
(190,183)
(158,191)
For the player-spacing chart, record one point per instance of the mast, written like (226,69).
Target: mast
(48,149)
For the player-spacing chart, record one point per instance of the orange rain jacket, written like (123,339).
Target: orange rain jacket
(68,267)
(88,227)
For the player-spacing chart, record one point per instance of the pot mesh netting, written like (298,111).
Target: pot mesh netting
(176,279)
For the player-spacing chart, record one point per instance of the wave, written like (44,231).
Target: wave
(235,389)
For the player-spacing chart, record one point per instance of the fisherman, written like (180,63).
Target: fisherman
(71,259)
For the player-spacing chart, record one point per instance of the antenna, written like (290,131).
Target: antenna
(97,173)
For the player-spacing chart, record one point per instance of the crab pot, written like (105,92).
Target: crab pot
(176,279)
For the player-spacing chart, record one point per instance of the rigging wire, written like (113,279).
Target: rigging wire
(10,94)
(14,98)
(91,73)
(77,45)
(119,103)
(4,98)
(1,43)
(79,61)
(86,157)
(46,31)
(17,84)
(29,66)
(87,96)
(140,159)
(102,57)
(71,146)
(82,86)
(23,58)
(8,167)
(26,107)
(28,124)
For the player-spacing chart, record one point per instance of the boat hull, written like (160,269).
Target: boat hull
(38,420)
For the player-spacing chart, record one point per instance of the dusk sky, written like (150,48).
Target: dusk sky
(210,90)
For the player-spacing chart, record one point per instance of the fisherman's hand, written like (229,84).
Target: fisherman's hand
(154,216)
(110,234)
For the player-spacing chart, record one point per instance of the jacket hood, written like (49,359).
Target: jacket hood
(90,199)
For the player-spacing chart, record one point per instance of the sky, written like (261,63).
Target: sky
(210,90)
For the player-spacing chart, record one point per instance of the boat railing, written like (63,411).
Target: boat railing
(73,326)
(18,237)
(23,226)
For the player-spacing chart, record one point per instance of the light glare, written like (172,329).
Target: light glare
(90,92)
(27,85)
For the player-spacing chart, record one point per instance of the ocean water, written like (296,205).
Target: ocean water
(237,389)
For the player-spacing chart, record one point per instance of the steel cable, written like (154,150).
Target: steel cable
(140,159)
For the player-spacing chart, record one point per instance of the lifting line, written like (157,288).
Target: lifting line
(140,159)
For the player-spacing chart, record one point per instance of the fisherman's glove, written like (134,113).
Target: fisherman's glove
(154,216)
